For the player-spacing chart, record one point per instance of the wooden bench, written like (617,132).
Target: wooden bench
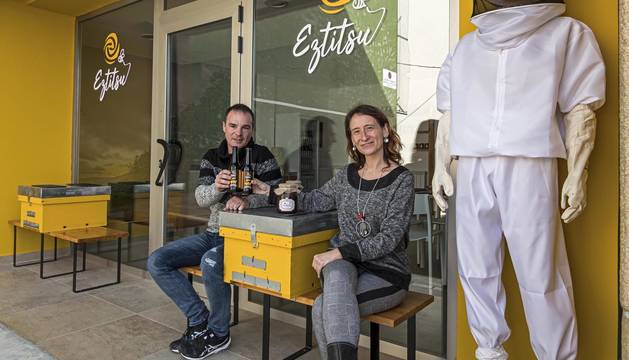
(76,237)
(193,271)
(411,305)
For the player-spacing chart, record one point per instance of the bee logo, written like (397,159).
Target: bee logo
(332,7)
(111,48)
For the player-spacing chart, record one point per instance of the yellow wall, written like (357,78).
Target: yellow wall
(592,239)
(36,101)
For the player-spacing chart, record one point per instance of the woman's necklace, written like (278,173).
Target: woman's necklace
(363,228)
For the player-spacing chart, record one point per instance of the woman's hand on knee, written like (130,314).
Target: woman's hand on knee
(321,260)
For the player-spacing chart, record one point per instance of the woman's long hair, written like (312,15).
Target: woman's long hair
(391,149)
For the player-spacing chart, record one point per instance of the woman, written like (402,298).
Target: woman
(367,270)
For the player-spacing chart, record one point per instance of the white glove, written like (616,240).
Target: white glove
(497,353)
(441,180)
(580,125)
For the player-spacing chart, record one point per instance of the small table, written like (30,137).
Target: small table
(83,236)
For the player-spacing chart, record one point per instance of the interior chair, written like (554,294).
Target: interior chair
(423,206)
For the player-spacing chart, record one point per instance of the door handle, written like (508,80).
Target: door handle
(162,162)
(175,152)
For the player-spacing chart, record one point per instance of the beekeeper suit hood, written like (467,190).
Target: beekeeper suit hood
(482,6)
(508,27)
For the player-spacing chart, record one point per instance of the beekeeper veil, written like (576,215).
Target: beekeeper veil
(482,6)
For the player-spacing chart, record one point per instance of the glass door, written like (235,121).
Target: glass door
(198,57)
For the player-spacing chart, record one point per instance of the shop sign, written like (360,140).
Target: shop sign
(112,78)
(340,39)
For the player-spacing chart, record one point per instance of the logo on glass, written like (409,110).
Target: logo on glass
(332,7)
(111,48)
(340,38)
(112,79)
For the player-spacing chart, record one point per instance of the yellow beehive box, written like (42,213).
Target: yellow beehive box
(63,213)
(275,253)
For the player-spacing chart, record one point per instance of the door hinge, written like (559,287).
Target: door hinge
(241,13)
(240,41)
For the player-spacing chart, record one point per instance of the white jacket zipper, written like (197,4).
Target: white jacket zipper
(494,131)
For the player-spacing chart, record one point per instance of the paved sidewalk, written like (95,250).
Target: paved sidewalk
(14,347)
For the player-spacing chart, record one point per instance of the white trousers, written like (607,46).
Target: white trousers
(516,197)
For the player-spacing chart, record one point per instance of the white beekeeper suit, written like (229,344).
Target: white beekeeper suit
(507,92)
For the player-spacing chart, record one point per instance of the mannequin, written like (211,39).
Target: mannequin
(517,94)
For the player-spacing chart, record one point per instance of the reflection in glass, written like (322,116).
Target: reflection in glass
(199,76)
(114,131)
(169,4)
(305,82)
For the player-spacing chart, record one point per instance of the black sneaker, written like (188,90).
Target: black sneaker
(201,345)
(175,345)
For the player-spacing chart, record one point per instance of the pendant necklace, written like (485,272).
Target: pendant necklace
(363,228)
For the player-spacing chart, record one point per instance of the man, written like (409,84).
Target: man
(507,92)
(208,330)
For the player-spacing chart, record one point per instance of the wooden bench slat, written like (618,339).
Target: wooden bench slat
(308,298)
(194,270)
(413,303)
(89,234)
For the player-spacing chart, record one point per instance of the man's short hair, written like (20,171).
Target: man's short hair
(241,108)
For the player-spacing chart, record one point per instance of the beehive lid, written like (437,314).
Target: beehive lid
(52,191)
(268,220)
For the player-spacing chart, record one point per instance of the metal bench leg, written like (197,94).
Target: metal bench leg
(41,256)
(129,229)
(74,249)
(410,338)
(308,345)
(14,246)
(236,295)
(42,261)
(84,250)
(15,264)
(266,326)
(374,339)
(118,268)
(119,260)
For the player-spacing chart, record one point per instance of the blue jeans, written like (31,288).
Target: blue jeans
(206,250)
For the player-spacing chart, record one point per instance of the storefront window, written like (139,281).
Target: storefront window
(199,79)
(114,124)
(313,63)
(310,70)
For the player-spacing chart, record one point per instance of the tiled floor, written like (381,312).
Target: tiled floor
(15,347)
(131,320)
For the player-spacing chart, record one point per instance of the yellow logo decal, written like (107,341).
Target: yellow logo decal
(333,6)
(112,78)
(111,48)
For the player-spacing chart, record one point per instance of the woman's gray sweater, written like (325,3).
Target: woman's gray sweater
(388,211)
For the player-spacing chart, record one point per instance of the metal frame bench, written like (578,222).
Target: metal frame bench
(406,311)
(76,237)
